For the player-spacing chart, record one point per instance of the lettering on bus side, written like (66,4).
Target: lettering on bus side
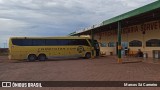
(48,49)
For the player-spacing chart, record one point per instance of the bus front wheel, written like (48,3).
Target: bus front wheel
(32,57)
(42,57)
(88,55)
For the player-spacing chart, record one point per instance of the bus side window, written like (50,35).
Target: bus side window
(51,42)
(63,42)
(38,42)
(73,42)
(83,42)
(17,42)
(27,42)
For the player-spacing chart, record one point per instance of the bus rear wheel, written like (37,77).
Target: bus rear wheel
(32,57)
(88,55)
(42,57)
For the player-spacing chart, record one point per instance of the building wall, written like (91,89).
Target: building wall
(136,32)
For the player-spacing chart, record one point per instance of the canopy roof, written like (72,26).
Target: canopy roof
(143,14)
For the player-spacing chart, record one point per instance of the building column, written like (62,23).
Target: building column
(119,43)
(92,41)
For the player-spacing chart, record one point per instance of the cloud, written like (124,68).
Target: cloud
(57,17)
(11,25)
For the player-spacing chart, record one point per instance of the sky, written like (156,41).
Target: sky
(57,17)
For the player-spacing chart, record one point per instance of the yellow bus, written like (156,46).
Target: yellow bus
(43,48)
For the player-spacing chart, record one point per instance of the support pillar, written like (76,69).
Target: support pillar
(92,42)
(119,43)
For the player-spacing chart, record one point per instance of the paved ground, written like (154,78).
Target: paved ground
(99,69)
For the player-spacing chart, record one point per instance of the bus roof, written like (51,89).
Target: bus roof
(62,37)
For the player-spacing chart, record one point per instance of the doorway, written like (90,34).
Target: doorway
(124,48)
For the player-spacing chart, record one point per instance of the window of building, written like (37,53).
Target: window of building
(135,43)
(111,44)
(103,44)
(153,43)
